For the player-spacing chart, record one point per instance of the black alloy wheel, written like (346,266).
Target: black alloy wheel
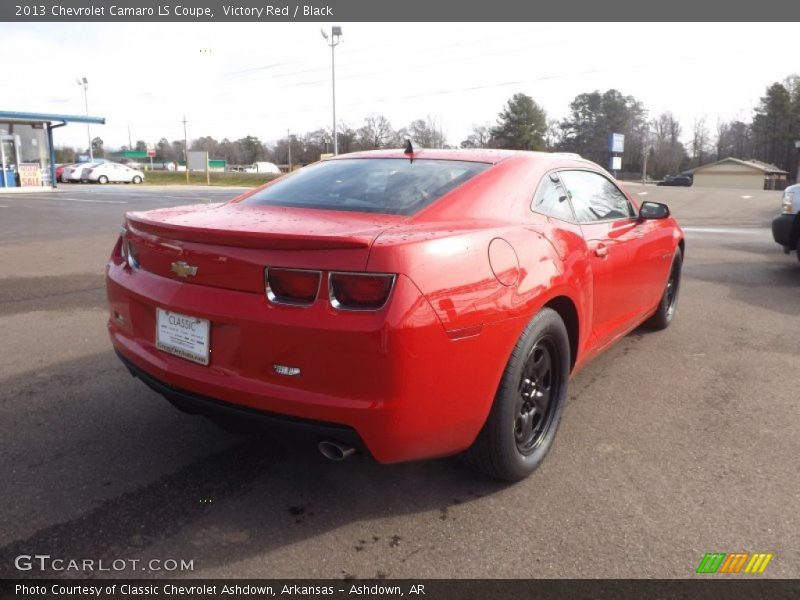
(524,417)
(539,383)
(669,299)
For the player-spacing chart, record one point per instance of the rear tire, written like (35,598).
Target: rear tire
(669,299)
(527,408)
(102,179)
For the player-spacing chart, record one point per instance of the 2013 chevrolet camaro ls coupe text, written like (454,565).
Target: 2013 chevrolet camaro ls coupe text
(410,304)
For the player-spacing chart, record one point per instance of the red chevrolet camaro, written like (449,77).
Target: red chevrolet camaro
(409,304)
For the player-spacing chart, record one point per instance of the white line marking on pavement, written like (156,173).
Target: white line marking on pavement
(90,200)
(746,197)
(642,193)
(3,206)
(728,230)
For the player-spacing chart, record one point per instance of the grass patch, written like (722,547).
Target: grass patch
(232,178)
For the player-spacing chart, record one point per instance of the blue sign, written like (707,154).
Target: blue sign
(616,142)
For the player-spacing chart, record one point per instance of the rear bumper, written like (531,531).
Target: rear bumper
(786,230)
(247,418)
(395,378)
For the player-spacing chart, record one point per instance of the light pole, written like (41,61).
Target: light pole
(84,83)
(333,41)
(797,147)
(289,148)
(647,148)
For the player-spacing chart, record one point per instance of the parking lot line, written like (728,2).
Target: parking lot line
(727,230)
(89,200)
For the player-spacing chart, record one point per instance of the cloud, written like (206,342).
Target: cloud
(235,79)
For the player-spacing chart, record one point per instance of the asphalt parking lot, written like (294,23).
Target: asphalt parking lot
(673,444)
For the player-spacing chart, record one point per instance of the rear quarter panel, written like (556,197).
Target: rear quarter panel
(445,252)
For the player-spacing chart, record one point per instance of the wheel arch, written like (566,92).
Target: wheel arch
(568,312)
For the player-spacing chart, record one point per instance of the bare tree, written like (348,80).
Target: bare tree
(699,141)
(479,137)
(427,133)
(346,136)
(376,133)
(723,141)
(666,152)
(553,135)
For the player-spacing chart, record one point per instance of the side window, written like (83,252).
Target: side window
(552,200)
(595,198)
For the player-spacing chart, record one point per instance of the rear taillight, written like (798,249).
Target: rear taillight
(123,245)
(292,286)
(359,291)
(130,250)
(126,250)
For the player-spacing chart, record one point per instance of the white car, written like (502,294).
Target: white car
(76,173)
(263,167)
(111,171)
(72,173)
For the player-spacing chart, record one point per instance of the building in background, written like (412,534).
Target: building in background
(27,156)
(742,174)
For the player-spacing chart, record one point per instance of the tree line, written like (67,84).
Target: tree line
(657,141)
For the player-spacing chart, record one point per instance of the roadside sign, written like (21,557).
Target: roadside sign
(151,152)
(616,163)
(30,175)
(616,142)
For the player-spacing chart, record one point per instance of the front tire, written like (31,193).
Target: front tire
(527,408)
(137,180)
(669,299)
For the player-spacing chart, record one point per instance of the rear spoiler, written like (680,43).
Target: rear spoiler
(144,227)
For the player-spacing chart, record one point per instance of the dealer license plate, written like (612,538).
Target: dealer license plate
(183,335)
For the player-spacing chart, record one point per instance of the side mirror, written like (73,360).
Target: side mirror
(653,210)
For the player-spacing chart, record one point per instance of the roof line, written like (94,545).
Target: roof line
(753,164)
(49,117)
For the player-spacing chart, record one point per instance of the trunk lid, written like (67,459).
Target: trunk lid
(229,245)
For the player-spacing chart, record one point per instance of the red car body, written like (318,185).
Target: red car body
(417,377)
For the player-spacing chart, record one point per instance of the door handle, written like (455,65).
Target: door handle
(601,251)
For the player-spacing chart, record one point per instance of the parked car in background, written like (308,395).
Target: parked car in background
(409,304)
(111,172)
(677,180)
(75,173)
(63,172)
(60,171)
(133,164)
(786,226)
(263,167)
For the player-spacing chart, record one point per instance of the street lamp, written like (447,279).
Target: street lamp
(83,82)
(333,41)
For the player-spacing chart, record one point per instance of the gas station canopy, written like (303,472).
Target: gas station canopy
(27,155)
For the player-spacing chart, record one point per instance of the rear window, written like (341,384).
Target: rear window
(381,185)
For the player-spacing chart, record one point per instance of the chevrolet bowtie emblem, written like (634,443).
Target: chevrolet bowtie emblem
(182,269)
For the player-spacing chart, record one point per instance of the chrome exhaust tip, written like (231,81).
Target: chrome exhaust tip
(335,451)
